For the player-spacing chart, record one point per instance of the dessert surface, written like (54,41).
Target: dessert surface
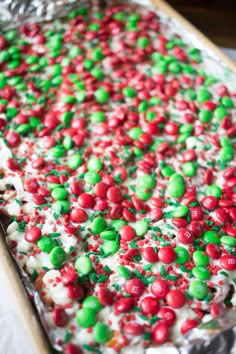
(117,170)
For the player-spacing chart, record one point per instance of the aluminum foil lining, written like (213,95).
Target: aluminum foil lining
(219,335)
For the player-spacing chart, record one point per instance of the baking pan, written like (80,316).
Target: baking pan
(26,305)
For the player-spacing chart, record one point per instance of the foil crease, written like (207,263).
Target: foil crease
(217,336)
(16,12)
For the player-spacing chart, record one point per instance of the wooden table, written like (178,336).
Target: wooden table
(215,18)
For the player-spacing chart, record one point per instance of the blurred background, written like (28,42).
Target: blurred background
(215,18)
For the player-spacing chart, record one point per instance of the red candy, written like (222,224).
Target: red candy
(150,254)
(228,262)
(213,251)
(166,254)
(185,236)
(197,228)
(159,288)
(175,299)
(69,278)
(31,185)
(168,315)
(75,292)
(105,296)
(13,139)
(160,333)
(124,305)
(33,234)
(209,203)
(188,325)
(60,317)
(134,287)
(216,310)
(86,200)
(134,329)
(78,216)
(127,233)
(114,195)
(150,305)
(71,348)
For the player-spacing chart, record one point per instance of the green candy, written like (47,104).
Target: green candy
(10,35)
(57,256)
(94,164)
(57,151)
(150,116)
(86,317)
(201,273)
(228,241)
(98,225)
(200,259)
(97,54)
(143,42)
(118,223)
(225,141)
(203,95)
(97,117)
(34,122)
(124,272)
(46,244)
(11,112)
(137,151)
(210,236)
(52,186)
(94,26)
(143,193)
(102,95)
(227,154)
(92,177)
(142,107)
(176,186)
(74,52)
(108,235)
(69,99)
(154,101)
(83,265)
(61,207)
(102,333)
(227,102)
(190,95)
(198,289)
(182,138)
(220,113)
(129,92)
(97,73)
(81,96)
(59,193)
(214,191)
(110,247)
(186,128)
(175,67)
(205,116)
(93,303)
(160,67)
(141,227)
(135,133)
(67,142)
(88,64)
(182,255)
(189,169)
(147,181)
(23,128)
(180,211)
(167,171)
